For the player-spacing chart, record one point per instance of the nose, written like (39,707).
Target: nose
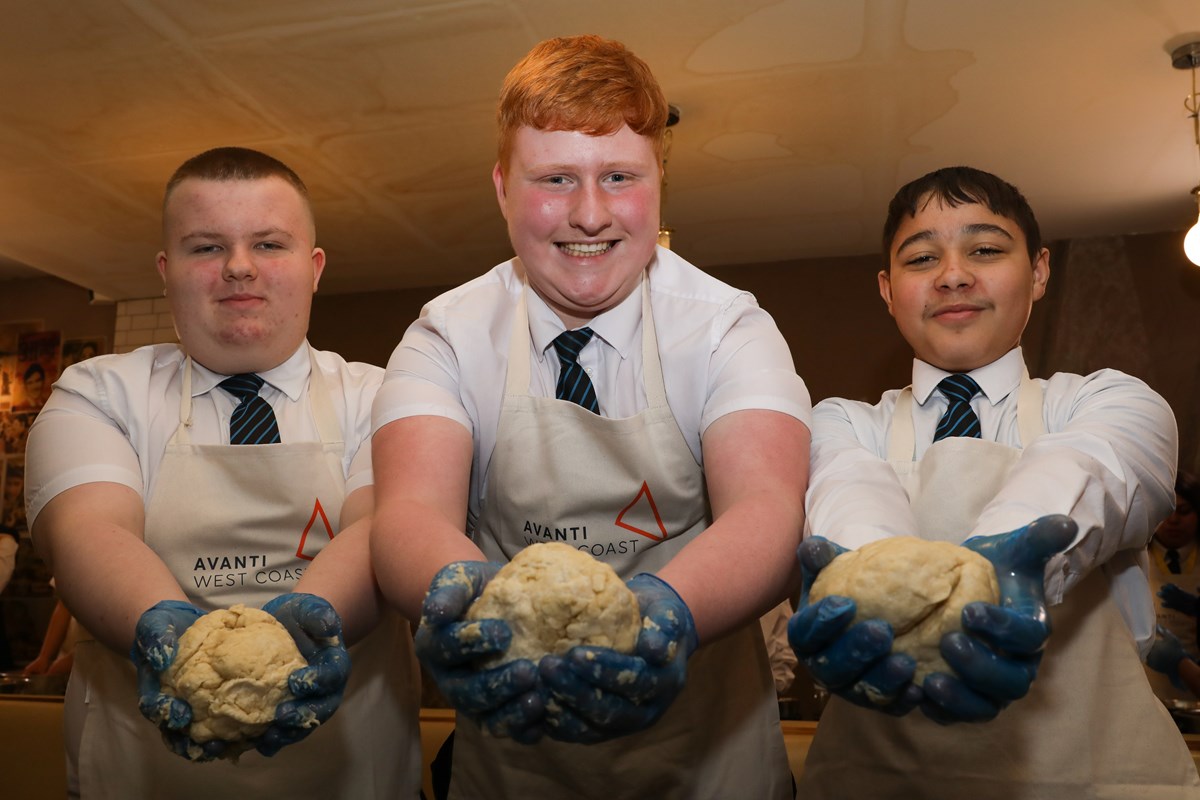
(954,272)
(239,265)
(589,212)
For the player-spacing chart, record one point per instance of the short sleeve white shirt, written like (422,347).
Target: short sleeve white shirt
(109,419)
(720,353)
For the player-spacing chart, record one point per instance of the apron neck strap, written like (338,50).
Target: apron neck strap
(322,405)
(516,381)
(902,440)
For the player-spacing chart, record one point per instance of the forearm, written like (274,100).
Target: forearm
(106,575)
(406,559)
(422,475)
(854,496)
(756,469)
(741,566)
(342,575)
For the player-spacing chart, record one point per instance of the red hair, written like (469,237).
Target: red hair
(581,83)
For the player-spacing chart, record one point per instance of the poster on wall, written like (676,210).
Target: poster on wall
(38,354)
(12,512)
(14,430)
(76,350)
(10,334)
(8,379)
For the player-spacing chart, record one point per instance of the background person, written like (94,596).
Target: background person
(488,435)
(1175,580)
(975,448)
(156,494)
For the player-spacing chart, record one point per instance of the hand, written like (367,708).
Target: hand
(1178,599)
(39,666)
(317,688)
(854,661)
(505,700)
(996,656)
(1165,656)
(599,694)
(155,645)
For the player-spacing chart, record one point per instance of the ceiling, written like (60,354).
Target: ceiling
(799,120)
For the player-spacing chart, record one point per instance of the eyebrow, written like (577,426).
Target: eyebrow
(253,234)
(974,229)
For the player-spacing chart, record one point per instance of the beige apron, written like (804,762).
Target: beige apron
(1177,622)
(1089,728)
(629,492)
(238,524)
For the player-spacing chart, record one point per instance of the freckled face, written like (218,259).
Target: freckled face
(961,284)
(583,215)
(240,269)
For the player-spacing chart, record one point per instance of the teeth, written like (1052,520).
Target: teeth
(585,248)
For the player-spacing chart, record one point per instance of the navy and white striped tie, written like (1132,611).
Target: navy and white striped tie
(959,419)
(253,421)
(574,385)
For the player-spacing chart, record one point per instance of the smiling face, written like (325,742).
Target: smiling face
(961,284)
(240,270)
(582,215)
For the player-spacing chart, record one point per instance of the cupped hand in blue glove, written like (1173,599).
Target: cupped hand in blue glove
(596,693)
(155,646)
(853,660)
(505,700)
(318,688)
(1178,599)
(1165,655)
(995,658)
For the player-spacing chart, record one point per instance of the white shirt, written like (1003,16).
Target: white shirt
(1107,460)
(720,353)
(110,418)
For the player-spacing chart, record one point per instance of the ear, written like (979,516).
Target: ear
(1041,274)
(885,289)
(318,262)
(160,261)
(501,196)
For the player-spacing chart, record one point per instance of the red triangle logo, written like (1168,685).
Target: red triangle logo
(318,513)
(661,536)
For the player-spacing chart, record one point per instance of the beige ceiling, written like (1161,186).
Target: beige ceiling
(799,119)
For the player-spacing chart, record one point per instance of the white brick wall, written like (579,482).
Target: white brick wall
(141,322)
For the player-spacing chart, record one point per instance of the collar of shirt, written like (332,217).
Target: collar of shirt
(290,377)
(618,326)
(996,380)
(1185,552)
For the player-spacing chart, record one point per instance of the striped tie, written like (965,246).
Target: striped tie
(1173,560)
(574,385)
(959,419)
(253,421)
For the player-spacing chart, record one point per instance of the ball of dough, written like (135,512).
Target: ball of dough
(232,667)
(555,597)
(918,586)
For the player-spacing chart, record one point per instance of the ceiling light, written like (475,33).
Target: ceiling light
(1188,57)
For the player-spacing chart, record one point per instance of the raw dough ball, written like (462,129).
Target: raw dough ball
(555,597)
(232,668)
(919,586)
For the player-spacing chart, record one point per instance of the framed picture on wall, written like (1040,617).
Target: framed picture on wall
(38,355)
(76,350)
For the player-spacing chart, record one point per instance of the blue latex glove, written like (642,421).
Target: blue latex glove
(155,646)
(505,700)
(1165,655)
(597,693)
(1178,599)
(317,688)
(853,661)
(996,657)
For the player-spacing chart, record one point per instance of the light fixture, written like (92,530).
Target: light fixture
(664,232)
(1188,57)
